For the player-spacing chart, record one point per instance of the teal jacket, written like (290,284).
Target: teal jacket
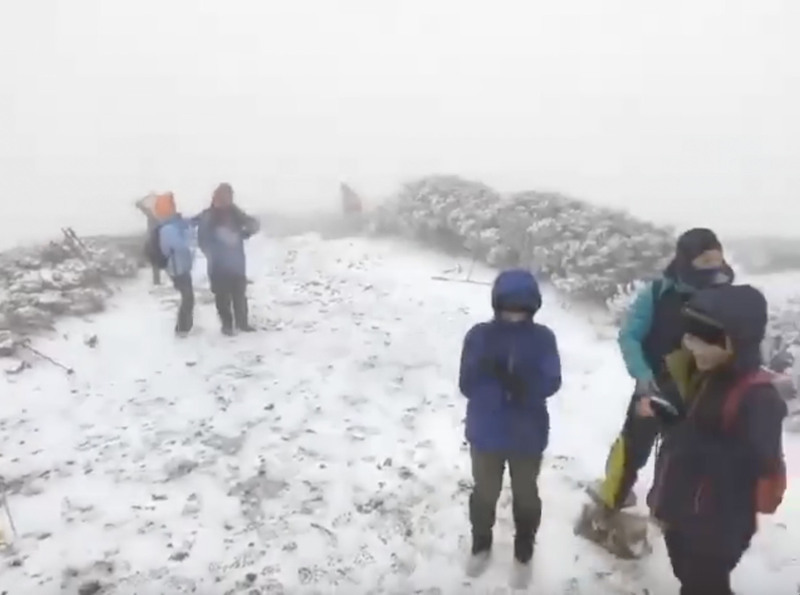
(636,325)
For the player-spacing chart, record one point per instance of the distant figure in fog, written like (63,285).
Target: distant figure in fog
(146,205)
(221,232)
(351,201)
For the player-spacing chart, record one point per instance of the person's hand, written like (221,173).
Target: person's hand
(644,408)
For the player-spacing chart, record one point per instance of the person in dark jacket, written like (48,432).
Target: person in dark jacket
(152,224)
(221,232)
(509,367)
(175,242)
(721,462)
(651,330)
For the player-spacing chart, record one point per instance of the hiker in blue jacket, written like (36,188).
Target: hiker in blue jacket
(509,367)
(652,329)
(221,232)
(175,241)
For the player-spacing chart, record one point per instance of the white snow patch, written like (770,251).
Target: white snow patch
(323,454)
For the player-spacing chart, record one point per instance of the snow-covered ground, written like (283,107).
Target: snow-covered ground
(324,454)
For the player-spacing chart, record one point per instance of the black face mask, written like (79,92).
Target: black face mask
(703,278)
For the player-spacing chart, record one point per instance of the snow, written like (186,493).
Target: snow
(323,454)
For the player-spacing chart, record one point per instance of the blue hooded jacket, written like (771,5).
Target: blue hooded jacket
(508,370)
(175,241)
(221,236)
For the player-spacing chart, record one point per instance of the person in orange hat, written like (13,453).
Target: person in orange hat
(171,249)
(221,232)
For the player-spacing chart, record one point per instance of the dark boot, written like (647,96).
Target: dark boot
(523,548)
(240,306)
(481,543)
(185,320)
(480,555)
(222,300)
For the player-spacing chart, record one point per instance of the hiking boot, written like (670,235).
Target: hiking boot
(246,328)
(523,548)
(227,331)
(480,555)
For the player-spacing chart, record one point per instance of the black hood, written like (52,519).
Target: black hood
(690,245)
(742,311)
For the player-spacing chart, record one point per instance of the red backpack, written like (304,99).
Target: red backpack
(771,486)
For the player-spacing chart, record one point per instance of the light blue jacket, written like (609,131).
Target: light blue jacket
(175,239)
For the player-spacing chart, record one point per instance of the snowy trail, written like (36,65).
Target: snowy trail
(324,454)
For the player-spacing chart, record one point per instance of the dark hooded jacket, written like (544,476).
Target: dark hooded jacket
(651,328)
(221,233)
(508,370)
(723,461)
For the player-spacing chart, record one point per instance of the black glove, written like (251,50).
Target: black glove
(666,412)
(512,383)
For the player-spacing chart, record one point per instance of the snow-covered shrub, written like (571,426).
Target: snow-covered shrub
(781,349)
(68,278)
(588,252)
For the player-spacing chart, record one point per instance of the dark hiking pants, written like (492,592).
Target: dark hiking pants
(185,287)
(628,455)
(487,475)
(699,574)
(156,275)
(230,297)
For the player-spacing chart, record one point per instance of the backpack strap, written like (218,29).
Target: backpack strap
(730,409)
(657,287)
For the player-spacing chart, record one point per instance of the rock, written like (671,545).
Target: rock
(90,588)
(177,468)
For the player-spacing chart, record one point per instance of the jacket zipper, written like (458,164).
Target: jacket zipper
(698,495)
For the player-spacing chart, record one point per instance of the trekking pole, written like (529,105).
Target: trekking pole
(7,509)
(471,267)
(26,344)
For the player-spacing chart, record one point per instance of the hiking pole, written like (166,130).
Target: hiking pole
(471,268)
(4,503)
(26,344)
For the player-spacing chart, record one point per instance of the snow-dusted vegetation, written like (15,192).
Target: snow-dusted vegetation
(589,253)
(66,278)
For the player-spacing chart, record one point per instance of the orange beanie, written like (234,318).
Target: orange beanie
(164,207)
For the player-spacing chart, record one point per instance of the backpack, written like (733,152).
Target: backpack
(770,486)
(152,249)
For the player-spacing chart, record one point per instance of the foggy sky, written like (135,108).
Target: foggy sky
(685,111)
